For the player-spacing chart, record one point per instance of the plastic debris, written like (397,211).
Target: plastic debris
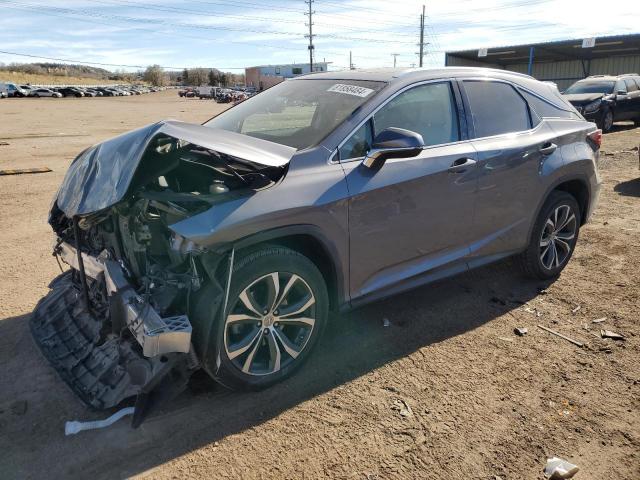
(599,320)
(386,322)
(71,428)
(576,310)
(402,407)
(559,469)
(610,334)
(521,331)
(553,332)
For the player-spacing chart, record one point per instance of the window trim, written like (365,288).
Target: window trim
(462,120)
(471,126)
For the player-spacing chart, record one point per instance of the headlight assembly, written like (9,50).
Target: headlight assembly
(593,106)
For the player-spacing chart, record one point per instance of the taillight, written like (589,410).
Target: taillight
(596,138)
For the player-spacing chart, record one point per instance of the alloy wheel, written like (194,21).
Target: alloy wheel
(270,323)
(557,237)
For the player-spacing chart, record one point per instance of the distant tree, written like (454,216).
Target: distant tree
(198,76)
(154,74)
(185,76)
(223,79)
(213,78)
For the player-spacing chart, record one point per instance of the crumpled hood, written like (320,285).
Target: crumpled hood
(582,98)
(100,177)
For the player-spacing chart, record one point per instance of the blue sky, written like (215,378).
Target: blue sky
(233,34)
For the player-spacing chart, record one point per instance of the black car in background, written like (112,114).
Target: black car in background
(605,99)
(70,92)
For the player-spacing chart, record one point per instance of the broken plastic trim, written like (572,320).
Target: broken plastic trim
(155,335)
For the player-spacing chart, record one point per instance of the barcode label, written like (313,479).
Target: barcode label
(350,90)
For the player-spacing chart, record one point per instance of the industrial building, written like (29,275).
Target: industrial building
(562,62)
(265,76)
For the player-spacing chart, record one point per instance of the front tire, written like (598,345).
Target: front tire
(553,238)
(606,121)
(276,312)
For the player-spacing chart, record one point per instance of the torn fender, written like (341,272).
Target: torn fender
(101,176)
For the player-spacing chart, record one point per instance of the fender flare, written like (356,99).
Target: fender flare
(339,265)
(553,186)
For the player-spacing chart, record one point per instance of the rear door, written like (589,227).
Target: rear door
(513,146)
(413,215)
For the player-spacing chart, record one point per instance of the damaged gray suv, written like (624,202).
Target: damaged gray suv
(224,246)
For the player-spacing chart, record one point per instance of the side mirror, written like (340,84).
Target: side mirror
(621,94)
(393,143)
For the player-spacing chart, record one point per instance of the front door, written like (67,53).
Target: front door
(413,215)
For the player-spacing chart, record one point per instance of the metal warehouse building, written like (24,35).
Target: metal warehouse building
(561,62)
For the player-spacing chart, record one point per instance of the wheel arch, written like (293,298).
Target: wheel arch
(574,184)
(309,241)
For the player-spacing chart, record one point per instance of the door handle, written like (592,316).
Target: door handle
(461,164)
(548,148)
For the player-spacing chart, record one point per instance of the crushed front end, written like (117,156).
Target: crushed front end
(117,324)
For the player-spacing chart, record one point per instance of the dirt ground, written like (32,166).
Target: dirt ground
(482,402)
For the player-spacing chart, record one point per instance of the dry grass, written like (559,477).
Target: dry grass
(36,79)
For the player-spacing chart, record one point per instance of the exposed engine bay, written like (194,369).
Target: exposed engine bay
(117,324)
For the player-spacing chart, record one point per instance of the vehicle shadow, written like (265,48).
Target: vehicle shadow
(621,127)
(354,345)
(630,188)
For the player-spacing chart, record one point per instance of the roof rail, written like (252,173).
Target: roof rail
(628,75)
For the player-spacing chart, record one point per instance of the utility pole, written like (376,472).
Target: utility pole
(394,55)
(351,65)
(421,35)
(311,35)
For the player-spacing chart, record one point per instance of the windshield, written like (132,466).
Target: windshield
(590,87)
(297,113)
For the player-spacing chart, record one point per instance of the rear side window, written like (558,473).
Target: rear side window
(631,85)
(543,108)
(496,108)
(620,86)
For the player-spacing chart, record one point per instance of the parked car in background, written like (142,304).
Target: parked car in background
(605,99)
(28,89)
(13,90)
(46,92)
(106,92)
(3,94)
(231,241)
(70,92)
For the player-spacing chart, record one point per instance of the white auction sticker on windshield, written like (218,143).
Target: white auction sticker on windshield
(350,90)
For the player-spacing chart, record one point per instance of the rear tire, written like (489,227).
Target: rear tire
(553,238)
(277,310)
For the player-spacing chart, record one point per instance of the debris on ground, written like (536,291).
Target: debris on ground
(576,310)
(22,171)
(599,320)
(402,407)
(4,144)
(71,428)
(558,469)
(553,332)
(506,339)
(521,331)
(386,322)
(533,310)
(610,334)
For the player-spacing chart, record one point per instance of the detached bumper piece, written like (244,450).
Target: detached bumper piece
(105,368)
